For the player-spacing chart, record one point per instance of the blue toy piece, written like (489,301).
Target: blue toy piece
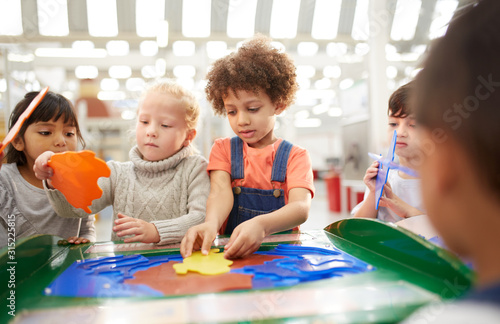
(105,276)
(384,166)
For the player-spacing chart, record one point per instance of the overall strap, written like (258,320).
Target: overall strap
(237,158)
(281,161)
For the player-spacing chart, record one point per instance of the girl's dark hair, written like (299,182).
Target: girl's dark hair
(52,107)
(399,102)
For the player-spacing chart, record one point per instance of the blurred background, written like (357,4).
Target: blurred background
(350,56)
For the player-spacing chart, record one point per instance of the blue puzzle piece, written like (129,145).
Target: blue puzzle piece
(104,277)
(326,269)
(384,166)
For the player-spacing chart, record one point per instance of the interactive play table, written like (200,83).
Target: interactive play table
(399,273)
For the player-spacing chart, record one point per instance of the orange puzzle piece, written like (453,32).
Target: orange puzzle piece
(75,176)
(25,115)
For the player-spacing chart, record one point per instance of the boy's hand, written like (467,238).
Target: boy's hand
(142,231)
(370,177)
(198,237)
(77,240)
(41,167)
(396,204)
(245,240)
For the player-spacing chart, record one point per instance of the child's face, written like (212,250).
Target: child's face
(42,136)
(252,116)
(161,129)
(406,143)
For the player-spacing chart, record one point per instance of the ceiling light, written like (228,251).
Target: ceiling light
(326,19)
(183,48)
(346,83)
(307,123)
(24,58)
(148,15)
(162,34)
(405,19)
(82,45)
(335,112)
(135,84)
(120,71)
(11,21)
(323,84)
(102,18)
(336,49)
(117,48)
(307,48)
(3,85)
(111,95)
(241,18)
(361,22)
(148,71)
(304,83)
(187,83)
(443,13)
(148,48)
(52,17)
(128,114)
(320,109)
(284,18)
(305,71)
(70,52)
(196,16)
(302,114)
(216,49)
(279,46)
(184,71)
(160,67)
(332,71)
(391,72)
(361,49)
(86,72)
(108,84)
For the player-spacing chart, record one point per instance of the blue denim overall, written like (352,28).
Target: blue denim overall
(251,202)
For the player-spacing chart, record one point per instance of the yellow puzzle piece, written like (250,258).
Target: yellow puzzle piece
(211,264)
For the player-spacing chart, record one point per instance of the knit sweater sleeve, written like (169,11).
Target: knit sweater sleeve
(173,230)
(87,228)
(64,209)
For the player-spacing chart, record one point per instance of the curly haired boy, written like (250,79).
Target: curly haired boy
(260,184)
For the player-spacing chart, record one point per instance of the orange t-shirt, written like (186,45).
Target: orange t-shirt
(258,165)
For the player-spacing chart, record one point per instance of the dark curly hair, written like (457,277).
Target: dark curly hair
(52,107)
(399,102)
(255,66)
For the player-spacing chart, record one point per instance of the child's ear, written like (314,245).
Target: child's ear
(279,108)
(191,134)
(18,143)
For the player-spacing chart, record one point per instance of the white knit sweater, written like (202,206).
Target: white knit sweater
(171,193)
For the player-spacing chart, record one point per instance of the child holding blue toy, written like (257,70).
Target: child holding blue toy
(25,209)
(402,198)
(260,184)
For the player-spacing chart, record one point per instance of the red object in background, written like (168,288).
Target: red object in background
(332,181)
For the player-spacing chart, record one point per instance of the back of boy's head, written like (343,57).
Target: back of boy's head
(255,66)
(52,107)
(458,91)
(399,101)
(188,99)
